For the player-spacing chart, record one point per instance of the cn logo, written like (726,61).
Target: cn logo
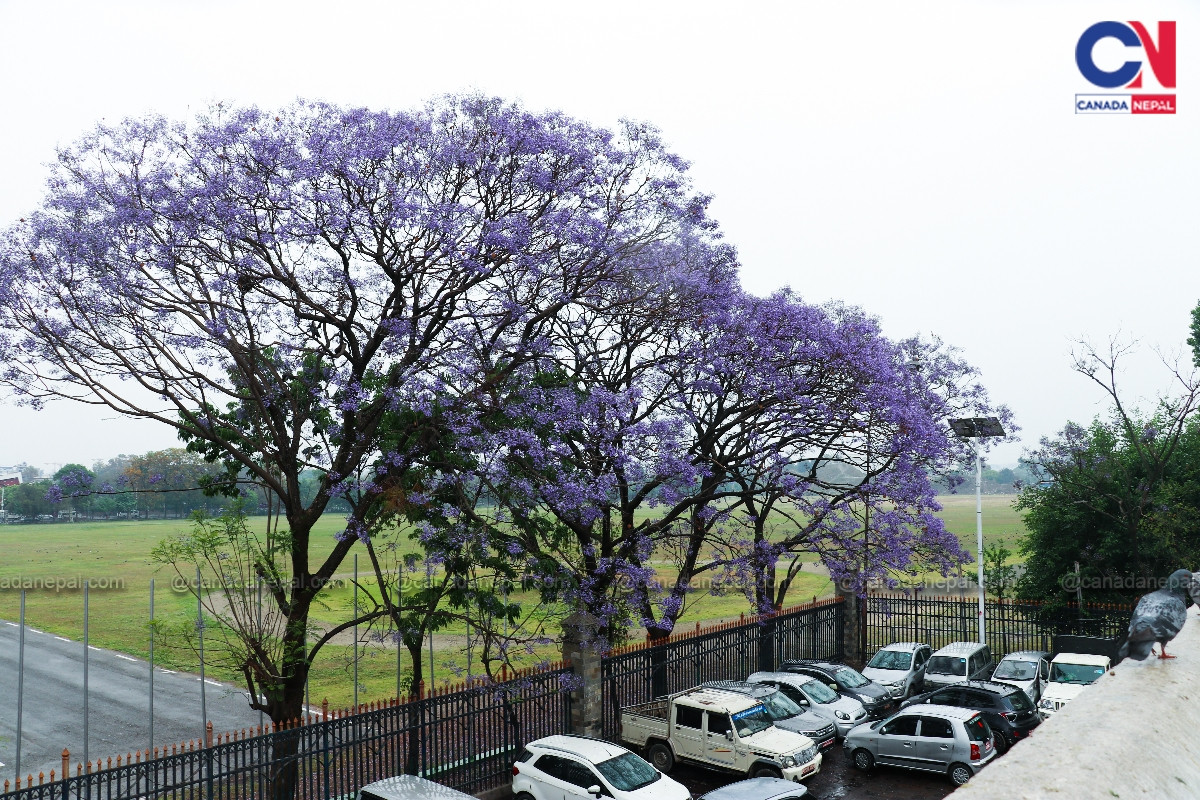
(1160,54)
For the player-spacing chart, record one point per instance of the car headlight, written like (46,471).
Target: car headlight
(789,761)
(1046,704)
(842,715)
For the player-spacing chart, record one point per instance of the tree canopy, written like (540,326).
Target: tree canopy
(1120,496)
(275,286)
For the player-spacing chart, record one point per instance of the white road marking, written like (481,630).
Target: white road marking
(127,658)
(15,625)
(212,683)
(166,671)
(93,647)
(62,638)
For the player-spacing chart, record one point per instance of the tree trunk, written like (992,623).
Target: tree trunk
(412,761)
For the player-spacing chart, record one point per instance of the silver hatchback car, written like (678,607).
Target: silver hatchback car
(955,742)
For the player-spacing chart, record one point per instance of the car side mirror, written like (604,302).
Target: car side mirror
(595,791)
(729,736)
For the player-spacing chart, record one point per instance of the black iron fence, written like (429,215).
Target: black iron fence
(1009,626)
(466,739)
(642,672)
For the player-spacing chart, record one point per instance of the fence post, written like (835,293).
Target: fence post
(327,756)
(851,625)
(766,642)
(208,760)
(581,648)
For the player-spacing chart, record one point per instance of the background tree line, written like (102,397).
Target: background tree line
(159,484)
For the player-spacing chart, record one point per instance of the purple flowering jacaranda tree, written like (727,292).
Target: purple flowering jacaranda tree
(277,285)
(720,434)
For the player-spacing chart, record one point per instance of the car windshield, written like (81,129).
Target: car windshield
(628,771)
(891,659)
(1016,670)
(819,692)
(751,721)
(947,665)
(780,706)
(1074,673)
(850,678)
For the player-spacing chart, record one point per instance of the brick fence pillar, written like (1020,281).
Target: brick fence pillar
(854,625)
(584,652)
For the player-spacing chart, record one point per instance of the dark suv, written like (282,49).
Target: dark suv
(1006,708)
(876,699)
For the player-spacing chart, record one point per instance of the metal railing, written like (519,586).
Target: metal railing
(466,738)
(646,671)
(1010,626)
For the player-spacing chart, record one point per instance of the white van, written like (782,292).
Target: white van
(958,662)
(900,668)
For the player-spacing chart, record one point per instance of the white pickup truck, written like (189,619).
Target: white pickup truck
(1070,674)
(723,730)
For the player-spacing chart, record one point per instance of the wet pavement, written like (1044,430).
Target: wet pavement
(837,780)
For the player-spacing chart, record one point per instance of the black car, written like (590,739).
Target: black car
(877,701)
(1006,708)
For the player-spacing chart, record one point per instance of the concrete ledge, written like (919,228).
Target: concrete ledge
(1135,733)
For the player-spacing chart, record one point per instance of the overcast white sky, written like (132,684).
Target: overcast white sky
(921,159)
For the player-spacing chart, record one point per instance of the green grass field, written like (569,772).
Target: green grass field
(53,560)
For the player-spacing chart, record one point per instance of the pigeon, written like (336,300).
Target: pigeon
(1158,617)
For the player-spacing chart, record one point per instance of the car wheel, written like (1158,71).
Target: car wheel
(661,757)
(524,796)
(764,771)
(959,774)
(1001,744)
(863,759)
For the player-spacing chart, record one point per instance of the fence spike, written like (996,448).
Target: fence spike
(52,776)
(118,760)
(208,734)
(109,764)
(78,769)
(66,763)
(41,778)
(6,786)
(89,768)
(29,781)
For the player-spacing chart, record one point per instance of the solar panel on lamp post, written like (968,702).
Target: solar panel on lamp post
(977,428)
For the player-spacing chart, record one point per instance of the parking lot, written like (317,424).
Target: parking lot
(838,780)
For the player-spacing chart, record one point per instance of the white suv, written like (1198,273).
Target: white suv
(575,767)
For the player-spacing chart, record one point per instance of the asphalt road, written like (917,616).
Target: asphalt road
(837,780)
(118,707)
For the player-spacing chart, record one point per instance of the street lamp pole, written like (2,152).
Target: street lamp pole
(979,536)
(976,428)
